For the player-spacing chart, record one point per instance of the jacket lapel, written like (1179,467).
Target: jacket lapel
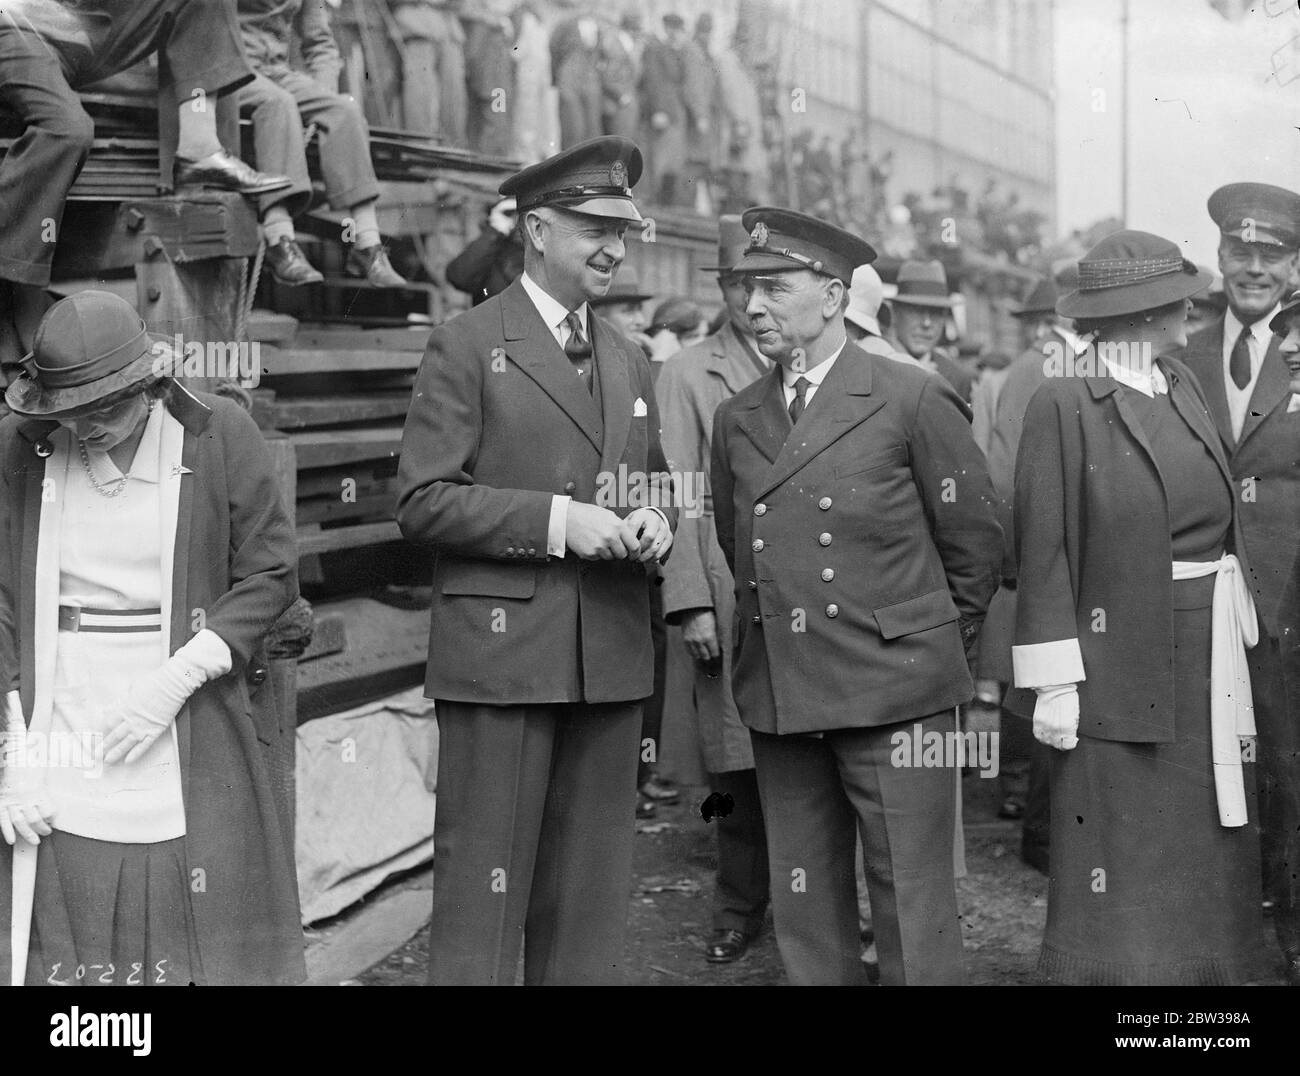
(838,406)
(766,422)
(1187,405)
(1204,356)
(1103,385)
(1271,387)
(532,348)
(615,392)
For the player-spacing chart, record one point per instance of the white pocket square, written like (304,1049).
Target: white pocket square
(1294,404)
(639,409)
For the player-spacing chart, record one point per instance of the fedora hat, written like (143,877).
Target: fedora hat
(866,293)
(923,284)
(732,241)
(625,289)
(88,347)
(1128,272)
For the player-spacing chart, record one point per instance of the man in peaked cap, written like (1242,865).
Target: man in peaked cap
(853,509)
(1238,363)
(531,469)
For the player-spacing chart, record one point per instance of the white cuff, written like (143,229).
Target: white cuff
(1047,664)
(208,654)
(557,528)
(667,525)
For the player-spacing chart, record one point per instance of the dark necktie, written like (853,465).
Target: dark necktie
(799,403)
(1239,360)
(578,348)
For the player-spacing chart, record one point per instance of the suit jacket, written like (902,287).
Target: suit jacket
(690,388)
(235,560)
(1265,464)
(1093,535)
(955,374)
(498,425)
(864,547)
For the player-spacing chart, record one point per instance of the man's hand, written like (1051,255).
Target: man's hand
(595,533)
(700,634)
(651,534)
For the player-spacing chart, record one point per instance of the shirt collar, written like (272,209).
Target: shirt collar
(552,310)
(144,467)
(816,375)
(1149,382)
(1072,340)
(1232,327)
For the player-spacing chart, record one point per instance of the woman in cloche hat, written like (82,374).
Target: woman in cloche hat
(1132,623)
(144,555)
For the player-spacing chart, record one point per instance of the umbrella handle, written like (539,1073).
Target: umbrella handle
(20,924)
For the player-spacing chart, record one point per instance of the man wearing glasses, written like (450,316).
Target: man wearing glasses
(1237,361)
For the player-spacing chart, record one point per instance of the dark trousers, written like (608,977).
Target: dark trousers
(741,892)
(279,106)
(532,843)
(814,792)
(198,47)
(652,715)
(1278,773)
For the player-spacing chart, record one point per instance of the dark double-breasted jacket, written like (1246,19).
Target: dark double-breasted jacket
(863,542)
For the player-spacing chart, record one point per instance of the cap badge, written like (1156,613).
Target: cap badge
(617,174)
(759,235)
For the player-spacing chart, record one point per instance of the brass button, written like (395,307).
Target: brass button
(532,552)
(752,584)
(832,610)
(257,674)
(828,574)
(569,487)
(757,619)
(758,545)
(824,504)
(510,551)
(760,509)
(824,538)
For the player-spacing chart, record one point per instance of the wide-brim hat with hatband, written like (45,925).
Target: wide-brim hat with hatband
(1257,213)
(923,284)
(90,349)
(781,240)
(595,177)
(625,289)
(732,241)
(1128,272)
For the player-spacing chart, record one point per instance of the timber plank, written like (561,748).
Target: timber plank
(284,362)
(327,448)
(312,541)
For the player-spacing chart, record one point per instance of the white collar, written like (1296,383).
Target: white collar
(552,310)
(1072,339)
(144,467)
(1232,327)
(1149,382)
(816,375)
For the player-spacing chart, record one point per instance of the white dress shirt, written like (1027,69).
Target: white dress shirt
(1260,334)
(815,377)
(1148,382)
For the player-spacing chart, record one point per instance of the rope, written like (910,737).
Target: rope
(248,292)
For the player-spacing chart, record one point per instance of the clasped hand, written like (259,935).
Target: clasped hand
(595,533)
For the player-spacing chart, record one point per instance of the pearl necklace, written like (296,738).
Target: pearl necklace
(95,483)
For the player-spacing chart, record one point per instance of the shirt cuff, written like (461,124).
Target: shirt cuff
(1047,664)
(662,516)
(557,527)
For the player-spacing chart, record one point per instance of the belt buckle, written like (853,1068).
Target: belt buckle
(69,618)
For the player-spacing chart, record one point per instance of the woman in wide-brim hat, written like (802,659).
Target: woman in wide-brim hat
(1132,621)
(145,553)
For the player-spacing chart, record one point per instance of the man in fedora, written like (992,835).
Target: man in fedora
(624,306)
(527,412)
(854,511)
(1238,363)
(921,308)
(698,596)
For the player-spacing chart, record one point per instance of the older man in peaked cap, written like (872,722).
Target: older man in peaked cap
(532,471)
(856,515)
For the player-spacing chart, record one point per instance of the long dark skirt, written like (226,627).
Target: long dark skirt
(109,914)
(1147,888)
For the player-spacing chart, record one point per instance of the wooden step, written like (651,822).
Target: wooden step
(313,541)
(290,413)
(327,448)
(285,362)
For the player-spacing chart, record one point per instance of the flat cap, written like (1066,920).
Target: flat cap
(782,239)
(595,177)
(1257,213)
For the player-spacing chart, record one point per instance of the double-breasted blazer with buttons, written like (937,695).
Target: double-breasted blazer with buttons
(1095,550)
(863,542)
(1265,464)
(499,424)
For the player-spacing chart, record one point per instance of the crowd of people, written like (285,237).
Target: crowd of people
(841,529)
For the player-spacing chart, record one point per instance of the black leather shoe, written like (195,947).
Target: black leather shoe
(645,809)
(1293,970)
(373,266)
(289,265)
(726,945)
(224,171)
(655,789)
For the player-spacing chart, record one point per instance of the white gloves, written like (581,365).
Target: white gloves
(1056,716)
(152,703)
(23,811)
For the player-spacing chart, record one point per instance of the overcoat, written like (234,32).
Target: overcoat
(691,386)
(864,546)
(1094,545)
(235,563)
(1265,464)
(499,424)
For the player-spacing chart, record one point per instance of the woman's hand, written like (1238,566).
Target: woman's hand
(1056,716)
(24,813)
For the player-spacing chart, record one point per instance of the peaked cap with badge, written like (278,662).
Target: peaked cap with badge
(1257,213)
(781,240)
(595,177)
